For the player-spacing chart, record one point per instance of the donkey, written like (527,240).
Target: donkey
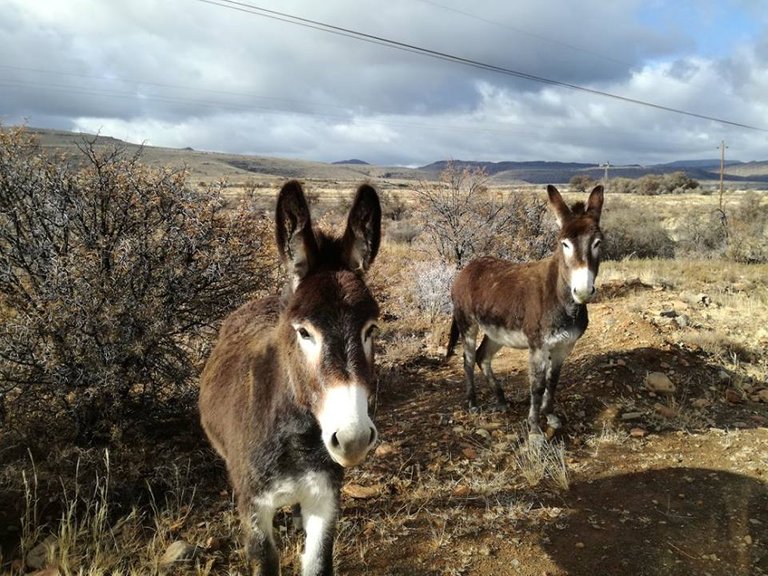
(284,394)
(537,305)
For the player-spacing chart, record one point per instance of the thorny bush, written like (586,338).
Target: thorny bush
(462,218)
(112,276)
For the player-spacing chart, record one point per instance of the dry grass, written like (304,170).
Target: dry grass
(442,500)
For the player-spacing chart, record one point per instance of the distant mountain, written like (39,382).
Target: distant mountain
(713,163)
(213,166)
(542,172)
(352,161)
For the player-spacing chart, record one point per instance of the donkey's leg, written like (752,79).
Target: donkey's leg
(469,339)
(484,355)
(260,546)
(557,358)
(320,512)
(538,367)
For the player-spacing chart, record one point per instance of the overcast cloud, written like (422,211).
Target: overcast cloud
(188,73)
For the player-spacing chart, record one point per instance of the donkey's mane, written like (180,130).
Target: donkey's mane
(578,208)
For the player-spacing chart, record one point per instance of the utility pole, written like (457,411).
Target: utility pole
(606,165)
(723,217)
(722,170)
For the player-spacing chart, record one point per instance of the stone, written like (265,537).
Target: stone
(483,433)
(631,416)
(638,432)
(664,411)
(38,555)
(461,491)
(384,449)
(179,551)
(361,492)
(733,396)
(700,403)
(762,395)
(52,571)
(660,383)
(682,321)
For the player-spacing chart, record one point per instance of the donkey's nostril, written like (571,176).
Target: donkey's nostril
(334,440)
(372,439)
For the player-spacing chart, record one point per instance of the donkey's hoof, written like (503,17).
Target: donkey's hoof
(502,406)
(554,422)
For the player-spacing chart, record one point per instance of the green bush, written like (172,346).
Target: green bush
(111,277)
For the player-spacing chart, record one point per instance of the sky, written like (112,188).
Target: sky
(221,76)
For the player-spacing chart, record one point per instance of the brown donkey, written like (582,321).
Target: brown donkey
(537,305)
(284,395)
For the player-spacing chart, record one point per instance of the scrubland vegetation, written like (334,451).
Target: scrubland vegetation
(114,277)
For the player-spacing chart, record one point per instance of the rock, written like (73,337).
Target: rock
(723,377)
(638,432)
(178,551)
(384,449)
(733,396)
(361,492)
(461,491)
(682,321)
(762,395)
(664,411)
(631,416)
(700,403)
(469,453)
(704,299)
(483,433)
(52,571)
(660,383)
(37,557)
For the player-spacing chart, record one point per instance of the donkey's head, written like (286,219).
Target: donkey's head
(329,318)
(580,239)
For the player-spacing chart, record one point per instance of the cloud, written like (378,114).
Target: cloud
(187,73)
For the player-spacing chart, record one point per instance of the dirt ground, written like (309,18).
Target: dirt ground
(659,484)
(639,483)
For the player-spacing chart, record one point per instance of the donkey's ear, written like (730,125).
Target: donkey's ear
(595,202)
(363,234)
(294,236)
(558,205)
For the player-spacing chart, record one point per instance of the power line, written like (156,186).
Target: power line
(540,37)
(373,39)
(110,93)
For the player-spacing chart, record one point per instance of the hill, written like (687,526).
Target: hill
(205,167)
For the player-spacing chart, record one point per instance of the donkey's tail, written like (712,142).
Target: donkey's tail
(453,338)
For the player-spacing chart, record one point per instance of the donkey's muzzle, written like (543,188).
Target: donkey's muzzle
(349,446)
(348,432)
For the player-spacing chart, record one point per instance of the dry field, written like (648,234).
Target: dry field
(641,482)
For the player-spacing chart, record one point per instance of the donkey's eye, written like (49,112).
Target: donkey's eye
(596,243)
(304,333)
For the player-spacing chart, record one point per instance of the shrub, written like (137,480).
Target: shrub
(430,283)
(634,233)
(463,219)
(747,227)
(581,183)
(702,236)
(111,276)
